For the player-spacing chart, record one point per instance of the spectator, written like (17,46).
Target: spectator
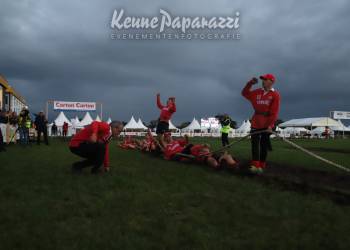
(24,124)
(54,129)
(65,129)
(13,120)
(41,127)
(2,128)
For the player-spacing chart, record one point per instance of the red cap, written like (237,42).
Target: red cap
(268,77)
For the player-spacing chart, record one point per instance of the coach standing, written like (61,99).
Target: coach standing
(91,143)
(266,103)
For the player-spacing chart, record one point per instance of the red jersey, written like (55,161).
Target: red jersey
(101,129)
(265,104)
(166,111)
(173,148)
(196,151)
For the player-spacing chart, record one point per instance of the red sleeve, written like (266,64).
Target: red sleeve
(274,109)
(159,104)
(106,160)
(182,142)
(246,92)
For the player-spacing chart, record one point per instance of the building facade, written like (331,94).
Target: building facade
(10,100)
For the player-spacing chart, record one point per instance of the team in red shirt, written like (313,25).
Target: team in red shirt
(91,143)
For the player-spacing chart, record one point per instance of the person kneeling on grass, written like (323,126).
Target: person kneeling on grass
(91,143)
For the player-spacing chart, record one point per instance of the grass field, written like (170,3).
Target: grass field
(148,203)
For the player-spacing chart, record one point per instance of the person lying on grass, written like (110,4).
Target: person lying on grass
(201,154)
(181,150)
(128,143)
(148,144)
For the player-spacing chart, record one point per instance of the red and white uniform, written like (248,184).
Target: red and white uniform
(197,151)
(166,111)
(173,148)
(101,129)
(265,104)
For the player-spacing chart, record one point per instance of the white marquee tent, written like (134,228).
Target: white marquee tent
(109,120)
(244,128)
(194,125)
(141,125)
(60,119)
(87,120)
(171,125)
(98,119)
(310,122)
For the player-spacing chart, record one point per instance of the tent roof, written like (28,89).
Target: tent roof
(87,120)
(194,125)
(141,125)
(245,127)
(98,118)
(171,125)
(310,122)
(132,124)
(109,120)
(61,118)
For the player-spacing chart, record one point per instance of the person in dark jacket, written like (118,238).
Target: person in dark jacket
(41,127)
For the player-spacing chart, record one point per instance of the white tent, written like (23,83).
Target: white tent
(341,127)
(244,128)
(318,131)
(87,120)
(61,118)
(194,125)
(98,119)
(75,122)
(132,124)
(109,120)
(171,125)
(310,122)
(141,125)
(294,131)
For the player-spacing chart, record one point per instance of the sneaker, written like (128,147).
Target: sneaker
(255,170)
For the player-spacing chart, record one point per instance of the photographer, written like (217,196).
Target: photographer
(24,124)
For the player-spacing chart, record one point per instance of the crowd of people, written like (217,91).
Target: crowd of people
(21,128)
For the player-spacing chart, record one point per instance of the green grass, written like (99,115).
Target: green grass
(148,203)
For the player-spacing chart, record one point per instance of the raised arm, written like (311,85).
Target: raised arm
(247,89)
(159,104)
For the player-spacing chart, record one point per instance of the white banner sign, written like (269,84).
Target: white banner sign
(341,115)
(78,106)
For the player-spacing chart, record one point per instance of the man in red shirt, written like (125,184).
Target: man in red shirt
(172,147)
(165,115)
(266,104)
(91,143)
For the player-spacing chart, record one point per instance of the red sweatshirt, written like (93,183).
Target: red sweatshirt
(266,106)
(173,148)
(166,111)
(101,129)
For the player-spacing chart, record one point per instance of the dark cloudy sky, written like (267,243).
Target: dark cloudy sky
(61,49)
